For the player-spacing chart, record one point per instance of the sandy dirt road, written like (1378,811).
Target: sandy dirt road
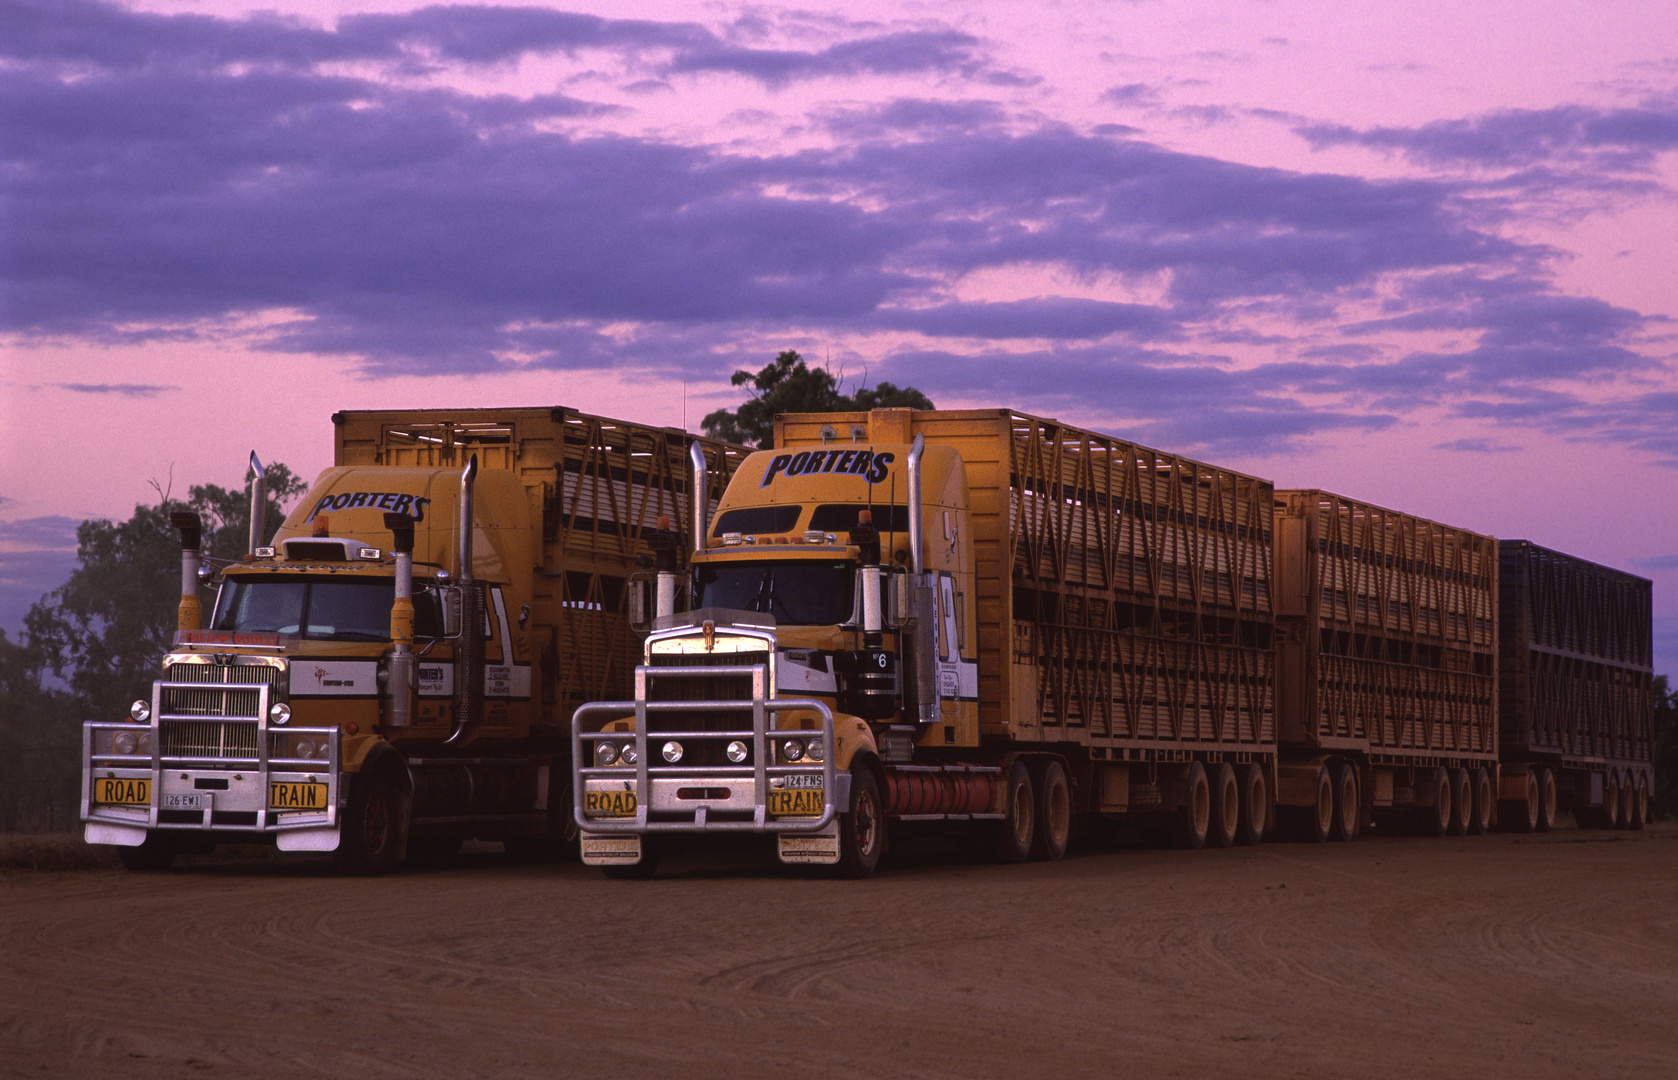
(1536,956)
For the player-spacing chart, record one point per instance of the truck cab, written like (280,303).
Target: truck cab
(828,631)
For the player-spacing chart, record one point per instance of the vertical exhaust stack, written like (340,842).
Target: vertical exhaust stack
(401,528)
(923,665)
(916,452)
(259,503)
(699,495)
(469,649)
(190,614)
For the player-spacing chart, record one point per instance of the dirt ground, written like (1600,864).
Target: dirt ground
(1530,956)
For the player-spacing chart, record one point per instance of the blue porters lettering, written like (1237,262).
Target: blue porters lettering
(393,501)
(865,464)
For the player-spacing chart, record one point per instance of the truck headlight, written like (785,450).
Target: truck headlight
(125,742)
(605,752)
(140,711)
(736,751)
(672,751)
(815,749)
(280,713)
(145,743)
(305,748)
(792,750)
(629,755)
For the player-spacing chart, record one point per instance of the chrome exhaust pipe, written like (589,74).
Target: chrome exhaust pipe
(259,503)
(699,498)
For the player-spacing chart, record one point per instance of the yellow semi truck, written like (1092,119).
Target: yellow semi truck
(974,618)
(393,672)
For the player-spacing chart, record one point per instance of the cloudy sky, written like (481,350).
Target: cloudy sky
(1422,254)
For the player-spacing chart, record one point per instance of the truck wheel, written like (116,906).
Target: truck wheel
(1462,801)
(1480,820)
(157,852)
(374,829)
(1525,816)
(558,844)
(862,828)
(1546,800)
(1435,820)
(1609,816)
(1255,805)
(1013,839)
(1639,805)
(1348,806)
(1313,824)
(1054,812)
(1226,806)
(1194,819)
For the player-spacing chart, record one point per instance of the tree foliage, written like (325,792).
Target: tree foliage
(92,645)
(789,385)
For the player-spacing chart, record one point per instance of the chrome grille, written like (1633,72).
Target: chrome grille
(241,699)
(207,738)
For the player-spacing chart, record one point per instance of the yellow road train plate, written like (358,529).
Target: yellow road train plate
(293,795)
(801,802)
(116,791)
(609,803)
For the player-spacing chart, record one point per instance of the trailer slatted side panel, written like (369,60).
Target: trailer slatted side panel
(596,485)
(1139,608)
(1388,626)
(1576,667)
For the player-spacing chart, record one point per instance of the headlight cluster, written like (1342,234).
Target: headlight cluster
(129,742)
(140,711)
(799,749)
(279,713)
(608,752)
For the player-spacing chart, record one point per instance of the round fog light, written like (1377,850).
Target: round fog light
(672,751)
(736,751)
(125,742)
(792,750)
(280,713)
(630,755)
(815,749)
(145,742)
(305,748)
(605,753)
(140,711)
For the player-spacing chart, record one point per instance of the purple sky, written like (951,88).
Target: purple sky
(1420,254)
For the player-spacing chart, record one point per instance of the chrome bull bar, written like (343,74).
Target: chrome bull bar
(252,764)
(654,786)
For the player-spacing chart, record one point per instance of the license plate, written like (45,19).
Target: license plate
(802,780)
(296,795)
(609,803)
(797,803)
(114,791)
(184,802)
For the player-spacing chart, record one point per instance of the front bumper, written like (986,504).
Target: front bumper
(210,774)
(702,798)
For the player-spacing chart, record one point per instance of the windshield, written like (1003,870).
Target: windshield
(811,593)
(341,609)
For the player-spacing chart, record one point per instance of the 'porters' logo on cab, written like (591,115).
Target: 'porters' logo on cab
(396,502)
(866,464)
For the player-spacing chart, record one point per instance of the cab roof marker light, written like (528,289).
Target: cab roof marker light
(369,553)
(732,539)
(264,553)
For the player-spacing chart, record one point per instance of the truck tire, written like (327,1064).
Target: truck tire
(1348,804)
(1194,818)
(1313,824)
(156,853)
(1546,800)
(1013,839)
(1639,805)
(1436,820)
(559,843)
(1524,819)
(862,828)
(1480,820)
(1462,801)
(1608,815)
(1255,805)
(1226,806)
(373,834)
(1054,812)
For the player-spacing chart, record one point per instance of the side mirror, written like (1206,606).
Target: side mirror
(450,597)
(640,603)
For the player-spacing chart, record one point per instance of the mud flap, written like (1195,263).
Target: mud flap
(601,850)
(105,832)
(821,847)
(307,839)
